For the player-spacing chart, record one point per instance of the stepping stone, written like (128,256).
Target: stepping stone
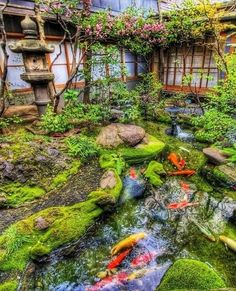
(214,156)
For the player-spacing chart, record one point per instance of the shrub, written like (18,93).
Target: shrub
(214,126)
(231,152)
(82,147)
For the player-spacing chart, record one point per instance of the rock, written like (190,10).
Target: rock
(108,137)
(3,199)
(229,173)
(41,223)
(133,188)
(115,134)
(108,180)
(131,134)
(214,156)
(116,114)
(191,274)
(26,112)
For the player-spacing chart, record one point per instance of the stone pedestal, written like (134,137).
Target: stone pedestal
(36,67)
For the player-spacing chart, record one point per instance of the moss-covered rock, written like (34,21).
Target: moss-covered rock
(221,258)
(221,176)
(10,285)
(153,172)
(111,160)
(62,177)
(147,150)
(17,194)
(109,196)
(190,274)
(22,240)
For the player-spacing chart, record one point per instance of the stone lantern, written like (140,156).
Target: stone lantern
(36,67)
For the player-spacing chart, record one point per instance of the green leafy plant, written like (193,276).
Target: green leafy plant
(213,126)
(82,146)
(5,122)
(231,152)
(52,122)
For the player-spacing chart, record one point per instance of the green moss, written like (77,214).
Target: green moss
(201,184)
(194,158)
(39,250)
(152,173)
(17,194)
(143,152)
(62,178)
(114,193)
(191,274)
(10,285)
(222,259)
(22,240)
(111,160)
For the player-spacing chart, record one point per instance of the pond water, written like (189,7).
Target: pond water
(171,233)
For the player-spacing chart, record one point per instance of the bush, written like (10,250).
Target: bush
(222,98)
(213,126)
(73,114)
(82,147)
(126,100)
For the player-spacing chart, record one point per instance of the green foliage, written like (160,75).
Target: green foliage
(191,274)
(5,122)
(149,89)
(126,100)
(73,114)
(222,97)
(231,152)
(213,126)
(52,122)
(82,146)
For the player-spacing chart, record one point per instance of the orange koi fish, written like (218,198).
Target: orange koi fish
(143,259)
(118,260)
(181,204)
(132,173)
(119,278)
(174,160)
(182,173)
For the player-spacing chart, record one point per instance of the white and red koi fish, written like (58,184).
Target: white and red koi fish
(143,259)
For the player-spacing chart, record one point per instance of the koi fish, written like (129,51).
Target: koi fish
(132,173)
(118,260)
(182,164)
(128,242)
(181,204)
(143,259)
(229,242)
(182,173)
(174,160)
(137,274)
(119,278)
(184,186)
